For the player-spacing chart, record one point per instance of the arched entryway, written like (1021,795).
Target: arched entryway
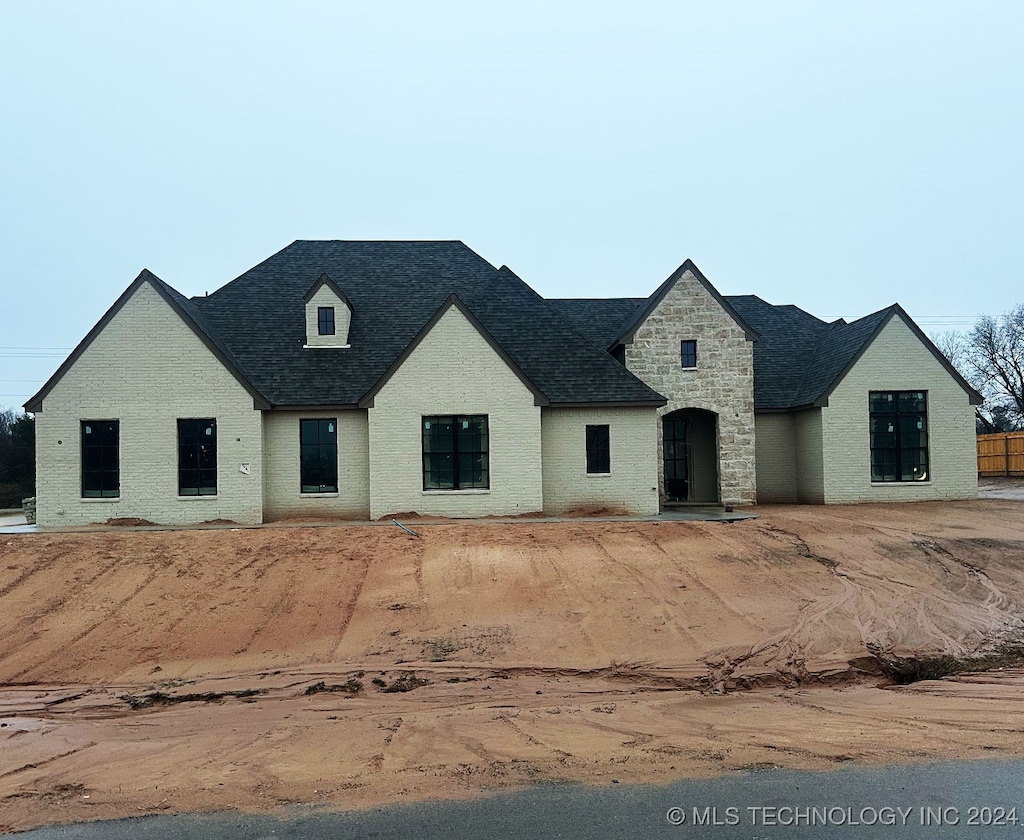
(690,456)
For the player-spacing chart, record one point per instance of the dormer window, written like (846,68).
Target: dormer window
(328,315)
(325,320)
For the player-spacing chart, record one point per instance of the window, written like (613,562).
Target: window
(455,453)
(101,471)
(899,435)
(325,320)
(598,453)
(197,457)
(318,445)
(688,354)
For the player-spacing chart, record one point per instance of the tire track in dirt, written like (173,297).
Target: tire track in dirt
(655,592)
(108,612)
(352,602)
(35,765)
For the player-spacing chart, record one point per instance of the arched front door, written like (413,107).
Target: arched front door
(690,456)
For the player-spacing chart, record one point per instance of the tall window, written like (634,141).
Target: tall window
(455,453)
(318,444)
(899,435)
(598,453)
(325,320)
(101,466)
(197,457)
(688,354)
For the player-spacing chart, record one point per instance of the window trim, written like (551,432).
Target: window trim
(325,490)
(683,355)
(208,421)
(105,495)
(598,450)
(325,320)
(456,487)
(898,448)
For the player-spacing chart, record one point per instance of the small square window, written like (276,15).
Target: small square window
(688,353)
(325,320)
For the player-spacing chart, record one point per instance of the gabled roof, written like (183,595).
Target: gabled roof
(626,336)
(184,309)
(325,280)
(599,319)
(394,290)
(452,302)
(567,367)
(800,359)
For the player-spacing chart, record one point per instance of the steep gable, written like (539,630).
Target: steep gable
(185,310)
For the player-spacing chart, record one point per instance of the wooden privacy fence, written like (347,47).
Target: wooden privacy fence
(1001,454)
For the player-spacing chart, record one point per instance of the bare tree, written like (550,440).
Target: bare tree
(991,358)
(997,358)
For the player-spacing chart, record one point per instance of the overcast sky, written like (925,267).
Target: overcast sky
(838,156)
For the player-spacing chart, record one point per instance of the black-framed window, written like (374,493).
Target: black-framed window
(101,460)
(899,435)
(455,452)
(688,353)
(318,445)
(325,320)
(197,457)
(598,450)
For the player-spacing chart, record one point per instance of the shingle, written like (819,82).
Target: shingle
(557,358)
(394,288)
(599,319)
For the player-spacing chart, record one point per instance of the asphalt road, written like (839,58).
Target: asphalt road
(949,800)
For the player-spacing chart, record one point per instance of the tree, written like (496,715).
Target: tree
(17,458)
(991,358)
(997,357)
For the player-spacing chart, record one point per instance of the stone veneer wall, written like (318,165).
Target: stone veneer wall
(722,382)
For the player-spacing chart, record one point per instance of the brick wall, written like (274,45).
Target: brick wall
(454,371)
(282,487)
(776,457)
(898,361)
(632,484)
(146,369)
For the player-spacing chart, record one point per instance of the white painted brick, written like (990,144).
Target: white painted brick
(632,484)
(454,371)
(147,369)
(898,361)
(283,496)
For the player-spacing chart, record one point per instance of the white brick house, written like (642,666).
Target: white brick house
(361,379)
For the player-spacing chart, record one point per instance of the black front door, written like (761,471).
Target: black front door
(677,477)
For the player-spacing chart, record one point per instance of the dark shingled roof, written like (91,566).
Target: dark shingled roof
(256,326)
(394,288)
(599,319)
(798,359)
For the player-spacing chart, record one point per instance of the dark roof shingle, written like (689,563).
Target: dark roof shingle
(394,288)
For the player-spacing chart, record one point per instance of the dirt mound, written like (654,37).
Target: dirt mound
(356,665)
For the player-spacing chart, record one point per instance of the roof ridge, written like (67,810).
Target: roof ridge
(558,314)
